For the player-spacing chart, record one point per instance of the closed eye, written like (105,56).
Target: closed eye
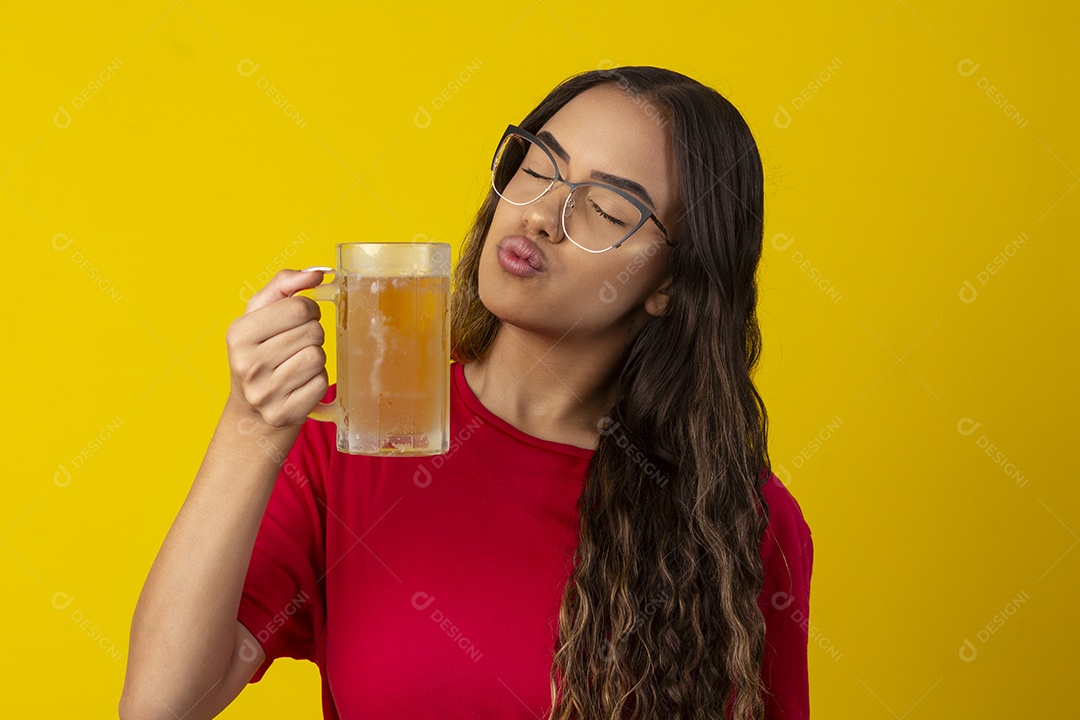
(609,218)
(535,174)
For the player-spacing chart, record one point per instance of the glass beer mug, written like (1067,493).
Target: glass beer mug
(393,348)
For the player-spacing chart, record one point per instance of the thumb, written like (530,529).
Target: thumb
(285,284)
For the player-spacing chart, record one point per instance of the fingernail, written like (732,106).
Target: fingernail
(320,268)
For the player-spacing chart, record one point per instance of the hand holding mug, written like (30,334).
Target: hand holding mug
(276,361)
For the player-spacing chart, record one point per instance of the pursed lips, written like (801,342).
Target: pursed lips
(525,249)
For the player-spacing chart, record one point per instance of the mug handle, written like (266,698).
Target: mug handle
(328,292)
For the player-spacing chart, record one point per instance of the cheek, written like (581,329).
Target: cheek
(485,270)
(499,218)
(496,230)
(629,279)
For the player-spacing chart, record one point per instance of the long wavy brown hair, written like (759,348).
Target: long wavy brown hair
(659,618)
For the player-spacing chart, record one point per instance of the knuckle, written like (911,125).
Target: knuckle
(311,308)
(258,395)
(314,354)
(316,332)
(232,335)
(298,309)
(274,416)
(243,373)
(250,371)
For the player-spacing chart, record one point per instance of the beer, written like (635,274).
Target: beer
(393,348)
(393,336)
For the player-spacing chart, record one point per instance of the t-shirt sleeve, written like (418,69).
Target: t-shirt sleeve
(283,603)
(787,552)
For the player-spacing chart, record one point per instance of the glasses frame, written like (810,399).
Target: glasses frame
(646,212)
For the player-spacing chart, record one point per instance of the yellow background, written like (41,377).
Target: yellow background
(894,176)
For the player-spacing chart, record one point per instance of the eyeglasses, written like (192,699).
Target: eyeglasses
(595,217)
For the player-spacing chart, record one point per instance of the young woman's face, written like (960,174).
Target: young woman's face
(601,130)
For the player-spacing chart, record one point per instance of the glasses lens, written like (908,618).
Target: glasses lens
(597,217)
(522,172)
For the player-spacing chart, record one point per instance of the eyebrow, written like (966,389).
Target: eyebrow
(619,182)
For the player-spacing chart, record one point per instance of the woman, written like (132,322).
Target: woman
(606,519)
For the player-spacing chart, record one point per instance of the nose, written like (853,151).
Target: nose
(544,217)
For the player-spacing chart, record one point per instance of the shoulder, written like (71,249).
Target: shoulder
(787,539)
(785,513)
(787,554)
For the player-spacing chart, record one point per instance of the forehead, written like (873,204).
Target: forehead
(603,129)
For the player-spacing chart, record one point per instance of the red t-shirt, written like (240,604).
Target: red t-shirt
(430,587)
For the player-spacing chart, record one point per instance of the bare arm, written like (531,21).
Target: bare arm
(189,656)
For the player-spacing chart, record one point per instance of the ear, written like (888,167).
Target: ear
(657,302)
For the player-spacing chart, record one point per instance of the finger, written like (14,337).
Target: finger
(300,367)
(284,284)
(284,345)
(307,395)
(278,317)
(313,390)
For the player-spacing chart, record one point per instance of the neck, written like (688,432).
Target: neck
(556,389)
